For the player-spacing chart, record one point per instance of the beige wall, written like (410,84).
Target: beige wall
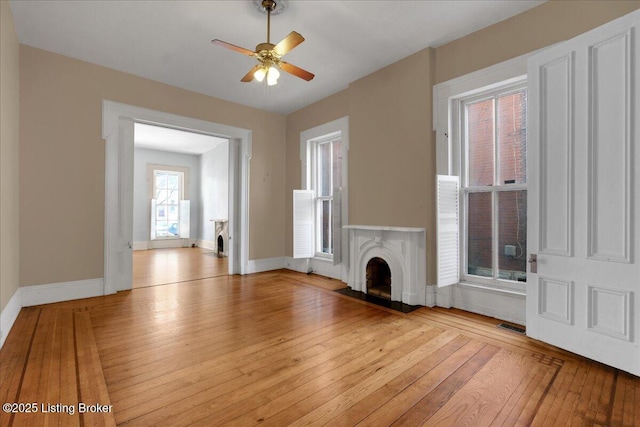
(389,134)
(62,162)
(392,156)
(9,142)
(330,108)
(391,162)
(549,23)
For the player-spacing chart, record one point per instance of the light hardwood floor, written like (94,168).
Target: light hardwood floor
(172,265)
(281,348)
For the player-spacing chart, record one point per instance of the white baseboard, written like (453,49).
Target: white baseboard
(27,296)
(317,266)
(265,264)
(9,315)
(56,292)
(140,246)
(165,244)
(430,295)
(503,305)
(207,244)
(299,265)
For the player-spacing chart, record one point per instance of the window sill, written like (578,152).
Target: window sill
(494,288)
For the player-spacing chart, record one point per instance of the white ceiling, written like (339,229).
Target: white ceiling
(170,41)
(177,141)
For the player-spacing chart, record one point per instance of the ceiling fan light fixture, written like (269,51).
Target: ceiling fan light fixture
(260,74)
(270,55)
(270,71)
(272,75)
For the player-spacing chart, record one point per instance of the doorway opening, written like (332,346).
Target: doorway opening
(118,130)
(180,183)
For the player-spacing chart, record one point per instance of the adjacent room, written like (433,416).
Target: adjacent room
(282,212)
(180,208)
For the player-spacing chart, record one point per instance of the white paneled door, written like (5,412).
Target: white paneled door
(583,287)
(122,230)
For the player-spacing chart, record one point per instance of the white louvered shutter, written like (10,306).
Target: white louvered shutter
(152,222)
(337,225)
(185,219)
(303,224)
(448,230)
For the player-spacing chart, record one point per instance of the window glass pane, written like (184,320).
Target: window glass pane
(161,196)
(479,230)
(161,212)
(173,181)
(161,180)
(512,235)
(337,164)
(172,231)
(324,169)
(512,137)
(173,197)
(480,132)
(326,228)
(173,213)
(161,228)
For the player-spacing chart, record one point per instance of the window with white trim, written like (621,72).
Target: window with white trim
(167,192)
(481,156)
(326,183)
(170,209)
(319,209)
(494,185)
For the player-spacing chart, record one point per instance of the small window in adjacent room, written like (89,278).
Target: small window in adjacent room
(167,193)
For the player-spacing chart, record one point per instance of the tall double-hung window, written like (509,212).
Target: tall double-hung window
(170,208)
(319,208)
(167,187)
(327,184)
(482,189)
(494,185)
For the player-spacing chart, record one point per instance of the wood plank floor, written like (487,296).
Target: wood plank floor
(281,348)
(162,266)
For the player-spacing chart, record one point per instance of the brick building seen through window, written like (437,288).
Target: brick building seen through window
(495,186)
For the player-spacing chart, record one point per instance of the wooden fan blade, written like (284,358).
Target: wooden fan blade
(296,71)
(288,43)
(233,47)
(249,76)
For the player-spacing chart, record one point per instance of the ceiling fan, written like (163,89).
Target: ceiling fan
(269,55)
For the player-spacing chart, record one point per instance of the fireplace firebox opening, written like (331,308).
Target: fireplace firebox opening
(379,278)
(220,246)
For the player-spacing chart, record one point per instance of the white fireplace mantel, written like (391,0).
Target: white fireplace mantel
(402,248)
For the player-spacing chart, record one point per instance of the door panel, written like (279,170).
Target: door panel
(124,226)
(610,148)
(556,150)
(583,193)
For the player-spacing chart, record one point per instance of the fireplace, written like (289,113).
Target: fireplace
(220,245)
(389,262)
(222,237)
